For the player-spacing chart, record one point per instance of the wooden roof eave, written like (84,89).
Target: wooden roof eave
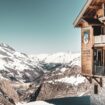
(79,17)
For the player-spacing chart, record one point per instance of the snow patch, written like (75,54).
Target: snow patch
(61,57)
(35,103)
(72,80)
(63,70)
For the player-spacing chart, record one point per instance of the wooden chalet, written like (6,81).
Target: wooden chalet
(91,20)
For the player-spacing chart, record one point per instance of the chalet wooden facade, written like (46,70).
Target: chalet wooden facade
(91,20)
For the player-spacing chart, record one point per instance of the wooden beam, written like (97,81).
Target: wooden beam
(95,7)
(89,79)
(98,80)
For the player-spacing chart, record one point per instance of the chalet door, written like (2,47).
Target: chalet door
(99,60)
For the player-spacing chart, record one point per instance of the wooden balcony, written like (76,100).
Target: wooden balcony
(100,39)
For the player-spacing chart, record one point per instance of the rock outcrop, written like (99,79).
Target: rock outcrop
(7,92)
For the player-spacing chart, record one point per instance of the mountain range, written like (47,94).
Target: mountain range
(21,67)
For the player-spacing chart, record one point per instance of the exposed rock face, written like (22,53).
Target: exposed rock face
(8,91)
(53,88)
(59,90)
(4,101)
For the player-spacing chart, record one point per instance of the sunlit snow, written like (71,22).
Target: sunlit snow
(72,80)
(35,103)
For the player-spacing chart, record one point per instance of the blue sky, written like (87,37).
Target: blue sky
(40,26)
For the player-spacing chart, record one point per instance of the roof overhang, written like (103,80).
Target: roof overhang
(78,19)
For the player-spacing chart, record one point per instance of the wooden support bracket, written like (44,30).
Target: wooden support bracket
(89,79)
(98,80)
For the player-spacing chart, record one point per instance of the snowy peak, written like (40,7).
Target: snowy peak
(18,66)
(6,46)
(62,58)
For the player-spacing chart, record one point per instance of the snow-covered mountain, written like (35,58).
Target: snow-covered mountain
(58,61)
(25,68)
(61,57)
(18,66)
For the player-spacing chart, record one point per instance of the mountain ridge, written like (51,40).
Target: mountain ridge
(27,68)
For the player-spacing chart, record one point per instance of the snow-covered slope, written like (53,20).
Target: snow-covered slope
(35,103)
(73,80)
(58,61)
(18,66)
(39,57)
(62,57)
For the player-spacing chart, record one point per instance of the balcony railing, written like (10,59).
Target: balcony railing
(99,70)
(99,39)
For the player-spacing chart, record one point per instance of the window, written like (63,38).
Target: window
(98,57)
(98,62)
(103,30)
(99,30)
